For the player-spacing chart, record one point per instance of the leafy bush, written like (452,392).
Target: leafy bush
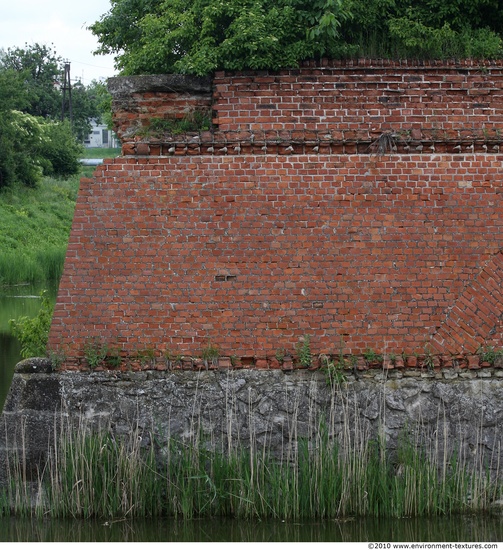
(200,36)
(33,333)
(21,135)
(414,39)
(31,147)
(60,151)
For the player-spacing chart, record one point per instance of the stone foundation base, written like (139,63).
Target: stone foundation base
(462,413)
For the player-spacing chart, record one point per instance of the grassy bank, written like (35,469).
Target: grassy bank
(326,476)
(100,153)
(35,225)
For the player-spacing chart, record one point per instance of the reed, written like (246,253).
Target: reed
(51,262)
(16,267)
(334,471)
(100,475)
(33,266)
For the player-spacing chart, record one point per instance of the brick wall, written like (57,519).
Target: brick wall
(357,204)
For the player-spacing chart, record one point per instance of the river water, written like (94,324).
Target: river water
(25,300)
(454,529)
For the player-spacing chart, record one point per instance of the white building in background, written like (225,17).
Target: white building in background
(101,136)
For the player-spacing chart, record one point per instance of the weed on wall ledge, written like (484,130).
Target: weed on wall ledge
(410,365)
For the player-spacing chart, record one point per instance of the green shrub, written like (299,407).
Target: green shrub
(60,152)
(415,39)
(31,147)
(20,137)
(33,333)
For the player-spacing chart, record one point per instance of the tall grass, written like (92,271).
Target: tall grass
(99,475)
(334,471)
(39,265)
(34,229)
(35,226)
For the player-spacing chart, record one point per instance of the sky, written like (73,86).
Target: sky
(61,23)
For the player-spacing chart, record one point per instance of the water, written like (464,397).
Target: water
(16,301)
(454,529)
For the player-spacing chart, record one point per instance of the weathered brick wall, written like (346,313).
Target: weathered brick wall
(343,108)
(282,222)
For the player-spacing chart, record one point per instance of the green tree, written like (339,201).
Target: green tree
(21,136)
(101,97)
(59,150)
(425,29)
(13,94)
(31,146)
(12,97)
(200,36)
(33,140)
(85,107)
(458,14)
(41,69)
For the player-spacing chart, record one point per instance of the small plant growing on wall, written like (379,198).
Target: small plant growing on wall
(488,354)
(95,352)
(334,370)
(57,357)
(195,121)
(303,350)
(372,358)
(428,359)
(280,355)
(172,359)
(113,358)
(146,357)
(210,355)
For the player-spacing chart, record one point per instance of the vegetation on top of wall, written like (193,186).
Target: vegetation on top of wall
(201,36)
(196,121)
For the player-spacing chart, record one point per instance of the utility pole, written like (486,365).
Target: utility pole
(67,87)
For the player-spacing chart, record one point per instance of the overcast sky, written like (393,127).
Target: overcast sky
(62,23)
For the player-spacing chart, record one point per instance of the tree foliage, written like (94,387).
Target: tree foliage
(200,36)
(31,147)
(40,69)
(85,108)
(102,100)
(33,140)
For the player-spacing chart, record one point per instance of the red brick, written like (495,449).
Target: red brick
(237,248)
